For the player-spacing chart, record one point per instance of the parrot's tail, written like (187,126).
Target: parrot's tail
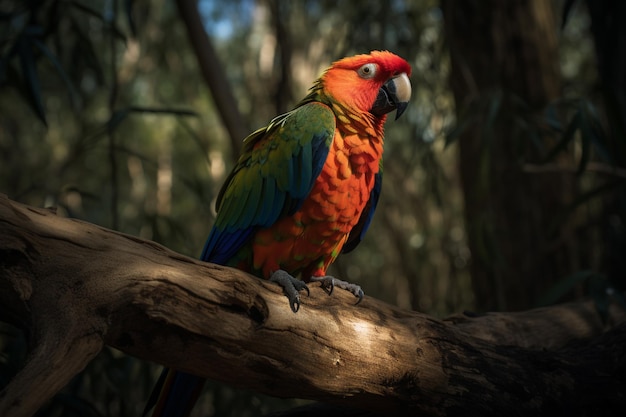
(174,394)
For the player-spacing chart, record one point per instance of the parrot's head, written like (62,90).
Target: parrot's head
(375,83)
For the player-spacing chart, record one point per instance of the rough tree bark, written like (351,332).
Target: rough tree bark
(74,287)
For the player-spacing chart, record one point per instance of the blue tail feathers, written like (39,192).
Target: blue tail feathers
(174,394)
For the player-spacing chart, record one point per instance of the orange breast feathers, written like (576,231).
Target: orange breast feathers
(310,240)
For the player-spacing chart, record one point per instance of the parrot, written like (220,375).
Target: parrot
(303,190)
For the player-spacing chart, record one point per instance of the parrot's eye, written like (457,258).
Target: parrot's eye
(367,71)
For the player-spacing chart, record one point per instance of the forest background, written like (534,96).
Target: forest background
(504,182)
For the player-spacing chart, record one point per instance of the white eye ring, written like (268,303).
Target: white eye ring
(368,71)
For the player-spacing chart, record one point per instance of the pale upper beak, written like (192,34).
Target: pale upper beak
(393,95)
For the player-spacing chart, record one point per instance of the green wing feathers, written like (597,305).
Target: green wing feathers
(273,176)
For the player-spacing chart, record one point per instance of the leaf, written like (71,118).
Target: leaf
(31,78)
(457,129)
(68,83)
(196,139)
(530,133)
(585,139)
(599,191)
(492,111)
(519,105)
(617,127)
(487,128)
(598,286)
(567,8)
(128,6)
(618,296)
(562,287)
(73,403)
(596,132)
(84,50)
(567,137)
(4,63)
(108,23)
(116,118)
(552,118)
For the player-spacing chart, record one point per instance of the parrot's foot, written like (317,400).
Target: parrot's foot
(329,283)
(291,287)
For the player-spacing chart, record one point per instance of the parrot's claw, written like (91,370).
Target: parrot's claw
(291,287)
(329,283)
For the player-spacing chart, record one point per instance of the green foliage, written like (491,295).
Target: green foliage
(29,28)
(599,148)
(596,285)
(579,136)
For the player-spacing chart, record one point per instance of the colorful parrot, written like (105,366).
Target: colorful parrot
(303,191)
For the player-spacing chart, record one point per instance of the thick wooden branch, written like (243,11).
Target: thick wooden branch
(74,287)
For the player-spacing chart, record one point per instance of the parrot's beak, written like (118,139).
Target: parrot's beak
(393,95)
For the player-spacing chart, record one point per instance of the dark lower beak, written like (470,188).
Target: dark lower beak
(393,95)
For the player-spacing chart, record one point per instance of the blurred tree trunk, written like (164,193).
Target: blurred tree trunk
(213,73)
(504,62)
(282,95)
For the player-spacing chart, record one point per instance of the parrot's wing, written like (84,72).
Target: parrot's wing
(358,231)
(273,176)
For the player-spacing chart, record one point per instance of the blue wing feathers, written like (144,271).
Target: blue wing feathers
(306,171)
(318,163)
(287,183)
(320,153)
(265,209)
(358,232)
(221,246)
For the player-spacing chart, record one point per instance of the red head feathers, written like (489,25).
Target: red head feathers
(375,83)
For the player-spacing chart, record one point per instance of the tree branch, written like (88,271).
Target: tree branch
(597,167)
(75,286)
